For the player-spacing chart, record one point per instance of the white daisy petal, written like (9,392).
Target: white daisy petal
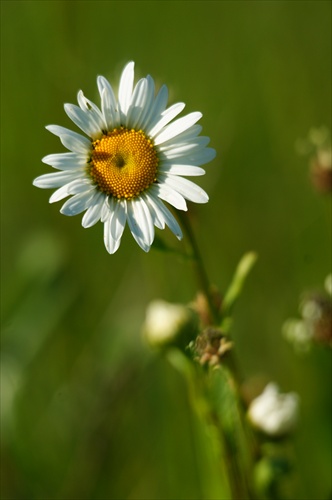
(109,105)
(107,233)
(77,203)
(164,214)
(157,218)
(83,120)
(80,186)
(108,97)
(54,180)
(111,114)
(66,161)
(71,140)
(92,110)
(73,187)
(73,144)
(105,211)
(187,135)
(190,146)
(166,117)
(148,227)
(157,108)
(58,130)
(131,162)
(177,127)
(63,131)
(110,244)
(198,158)
(137,103)
(185,150)
(187,189)
(175,169)
(59,194)
(93,213)
(168,194)
(126,88)
(140,223)
(149,103)
(119,217)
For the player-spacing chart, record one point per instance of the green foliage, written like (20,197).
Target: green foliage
(235,288)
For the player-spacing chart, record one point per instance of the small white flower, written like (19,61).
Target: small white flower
(299,333)
(328,284)
(166,323)
(274,413)
(131,162)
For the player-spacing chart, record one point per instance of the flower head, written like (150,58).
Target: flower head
(131,162)
(274,413)
(167,324)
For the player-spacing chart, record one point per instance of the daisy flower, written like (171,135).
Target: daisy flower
(132,161)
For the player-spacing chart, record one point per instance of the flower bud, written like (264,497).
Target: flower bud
(211,346)
(169,324)
(273,413)
(328,284)
(316,312)
(299,333)
(318,145)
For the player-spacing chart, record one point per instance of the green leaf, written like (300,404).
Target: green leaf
(234,290)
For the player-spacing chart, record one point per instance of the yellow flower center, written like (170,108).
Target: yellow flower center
(123,163)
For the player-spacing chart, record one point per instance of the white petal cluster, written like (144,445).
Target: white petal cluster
(165,323)
(180,149)
(274,413)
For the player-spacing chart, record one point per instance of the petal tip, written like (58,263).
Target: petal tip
(213,153)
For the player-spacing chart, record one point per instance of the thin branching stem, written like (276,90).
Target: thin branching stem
(236,475)
(201,274)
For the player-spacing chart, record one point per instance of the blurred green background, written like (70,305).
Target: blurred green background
(88,412)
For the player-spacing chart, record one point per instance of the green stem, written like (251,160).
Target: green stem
(237,476)
(205,408)
(202,277)
(237,481)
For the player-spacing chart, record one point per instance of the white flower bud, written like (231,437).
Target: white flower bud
(299,333)
(167,323)
(274,413)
